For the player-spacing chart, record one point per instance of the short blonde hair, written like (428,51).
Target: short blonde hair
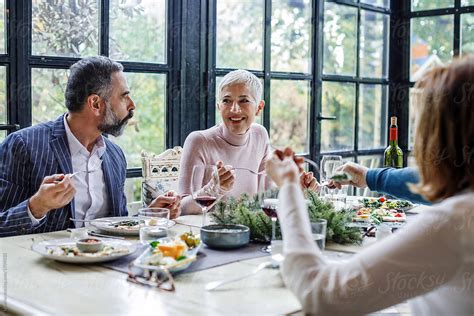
(444,138)
(241,76)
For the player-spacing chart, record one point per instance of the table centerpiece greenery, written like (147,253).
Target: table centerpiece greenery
(247,211)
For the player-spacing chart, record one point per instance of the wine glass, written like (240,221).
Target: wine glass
(205,187)
(329,165)
(267,197)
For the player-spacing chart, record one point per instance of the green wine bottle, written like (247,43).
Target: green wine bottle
(393,156)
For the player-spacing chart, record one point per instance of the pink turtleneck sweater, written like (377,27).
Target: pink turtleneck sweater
(216,143)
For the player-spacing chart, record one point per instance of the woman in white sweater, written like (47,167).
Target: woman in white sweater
(430,261)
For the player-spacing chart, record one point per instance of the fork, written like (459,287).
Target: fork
(72,175)
(90,220)
(250,170)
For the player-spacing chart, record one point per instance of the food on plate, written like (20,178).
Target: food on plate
(89,245)
(190,239)
(69,250)
(382,202)
(167,253)
(91,241)
(379,215)
(126,224)
(173,252)
(378,210)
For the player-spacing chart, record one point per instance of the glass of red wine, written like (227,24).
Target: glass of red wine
(267,197)
(205,187)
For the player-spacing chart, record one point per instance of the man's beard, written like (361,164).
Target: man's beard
(112,124)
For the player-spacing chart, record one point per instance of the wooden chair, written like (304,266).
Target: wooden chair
(160,173)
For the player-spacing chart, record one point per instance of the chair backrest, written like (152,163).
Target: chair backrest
(160,173)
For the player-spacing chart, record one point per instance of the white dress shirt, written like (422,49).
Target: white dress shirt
(90,200)
(430,261)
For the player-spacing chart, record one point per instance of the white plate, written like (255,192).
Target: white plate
(43,246)
(367,224)
(105,225)
(179,266)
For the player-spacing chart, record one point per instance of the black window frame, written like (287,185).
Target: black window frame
(191,67)
(357,80)
(266,74)
(315,78)
(20,61)
(400,58)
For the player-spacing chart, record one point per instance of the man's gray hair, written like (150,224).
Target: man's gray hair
(241,76)
(90,75)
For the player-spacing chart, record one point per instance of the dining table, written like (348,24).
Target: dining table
(32,284)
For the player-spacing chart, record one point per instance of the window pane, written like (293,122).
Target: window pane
(467,33)
(418,5)
(378,3)
(65,28)
(372,116)
(138,30)
(467,2)
(289,111)
(133,189)
(3,30)
(373,44)
(258,119)
(338,101)
(291,36)
(47,93)
(430,48)
(414,104)
(239,34)
(146,130)
(340,27)
(411,161)
(3,135)
(3,95)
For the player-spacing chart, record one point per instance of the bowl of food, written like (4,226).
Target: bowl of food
(225,236)
(90,245)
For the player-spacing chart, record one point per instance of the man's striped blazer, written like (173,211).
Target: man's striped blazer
(27,156)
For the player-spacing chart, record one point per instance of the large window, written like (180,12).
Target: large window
(324,66)
(58,33)
(354,92)
(273,39)
(440,30)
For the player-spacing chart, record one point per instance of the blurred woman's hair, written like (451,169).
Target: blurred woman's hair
(241,76)
(444,137)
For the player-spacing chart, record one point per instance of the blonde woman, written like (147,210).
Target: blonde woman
(430,262)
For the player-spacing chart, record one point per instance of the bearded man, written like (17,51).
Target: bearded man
(63,169)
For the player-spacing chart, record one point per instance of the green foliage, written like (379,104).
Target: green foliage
(246,211)
(65,28)
(336,231)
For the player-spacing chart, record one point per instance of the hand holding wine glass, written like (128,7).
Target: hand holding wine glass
(205,186)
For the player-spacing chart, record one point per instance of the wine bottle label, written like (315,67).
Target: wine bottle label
(393,133)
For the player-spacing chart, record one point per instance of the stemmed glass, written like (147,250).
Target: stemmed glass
(329,165)
(268,202)
(205,187)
